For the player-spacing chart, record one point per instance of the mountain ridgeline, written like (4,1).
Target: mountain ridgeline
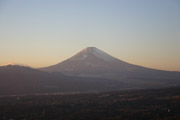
(90,70)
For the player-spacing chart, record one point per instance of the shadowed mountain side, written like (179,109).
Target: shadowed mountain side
(24,80)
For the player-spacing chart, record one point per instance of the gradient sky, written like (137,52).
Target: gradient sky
(40,33)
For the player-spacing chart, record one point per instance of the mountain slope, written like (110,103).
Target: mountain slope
(92,62)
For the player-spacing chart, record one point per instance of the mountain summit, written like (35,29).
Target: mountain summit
(93,52)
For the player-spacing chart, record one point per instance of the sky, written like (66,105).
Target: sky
(40,33)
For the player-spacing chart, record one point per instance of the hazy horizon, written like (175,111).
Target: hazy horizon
(43,33)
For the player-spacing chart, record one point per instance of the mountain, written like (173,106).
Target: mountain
(24,80)
(92,62)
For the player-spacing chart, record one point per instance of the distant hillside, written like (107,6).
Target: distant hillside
(25,80)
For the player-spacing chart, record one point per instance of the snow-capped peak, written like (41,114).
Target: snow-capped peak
(92,50)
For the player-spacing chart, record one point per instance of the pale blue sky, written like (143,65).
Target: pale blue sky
(44,32)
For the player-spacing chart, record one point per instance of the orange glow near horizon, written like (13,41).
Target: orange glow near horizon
(144,33)
(10,63)
(146,63)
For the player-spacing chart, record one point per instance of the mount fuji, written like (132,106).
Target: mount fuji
(91,60)
(94,63)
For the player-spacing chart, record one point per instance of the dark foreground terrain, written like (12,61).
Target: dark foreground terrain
(162,104)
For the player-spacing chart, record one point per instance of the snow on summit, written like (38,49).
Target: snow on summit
(90,59)
(89,51)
